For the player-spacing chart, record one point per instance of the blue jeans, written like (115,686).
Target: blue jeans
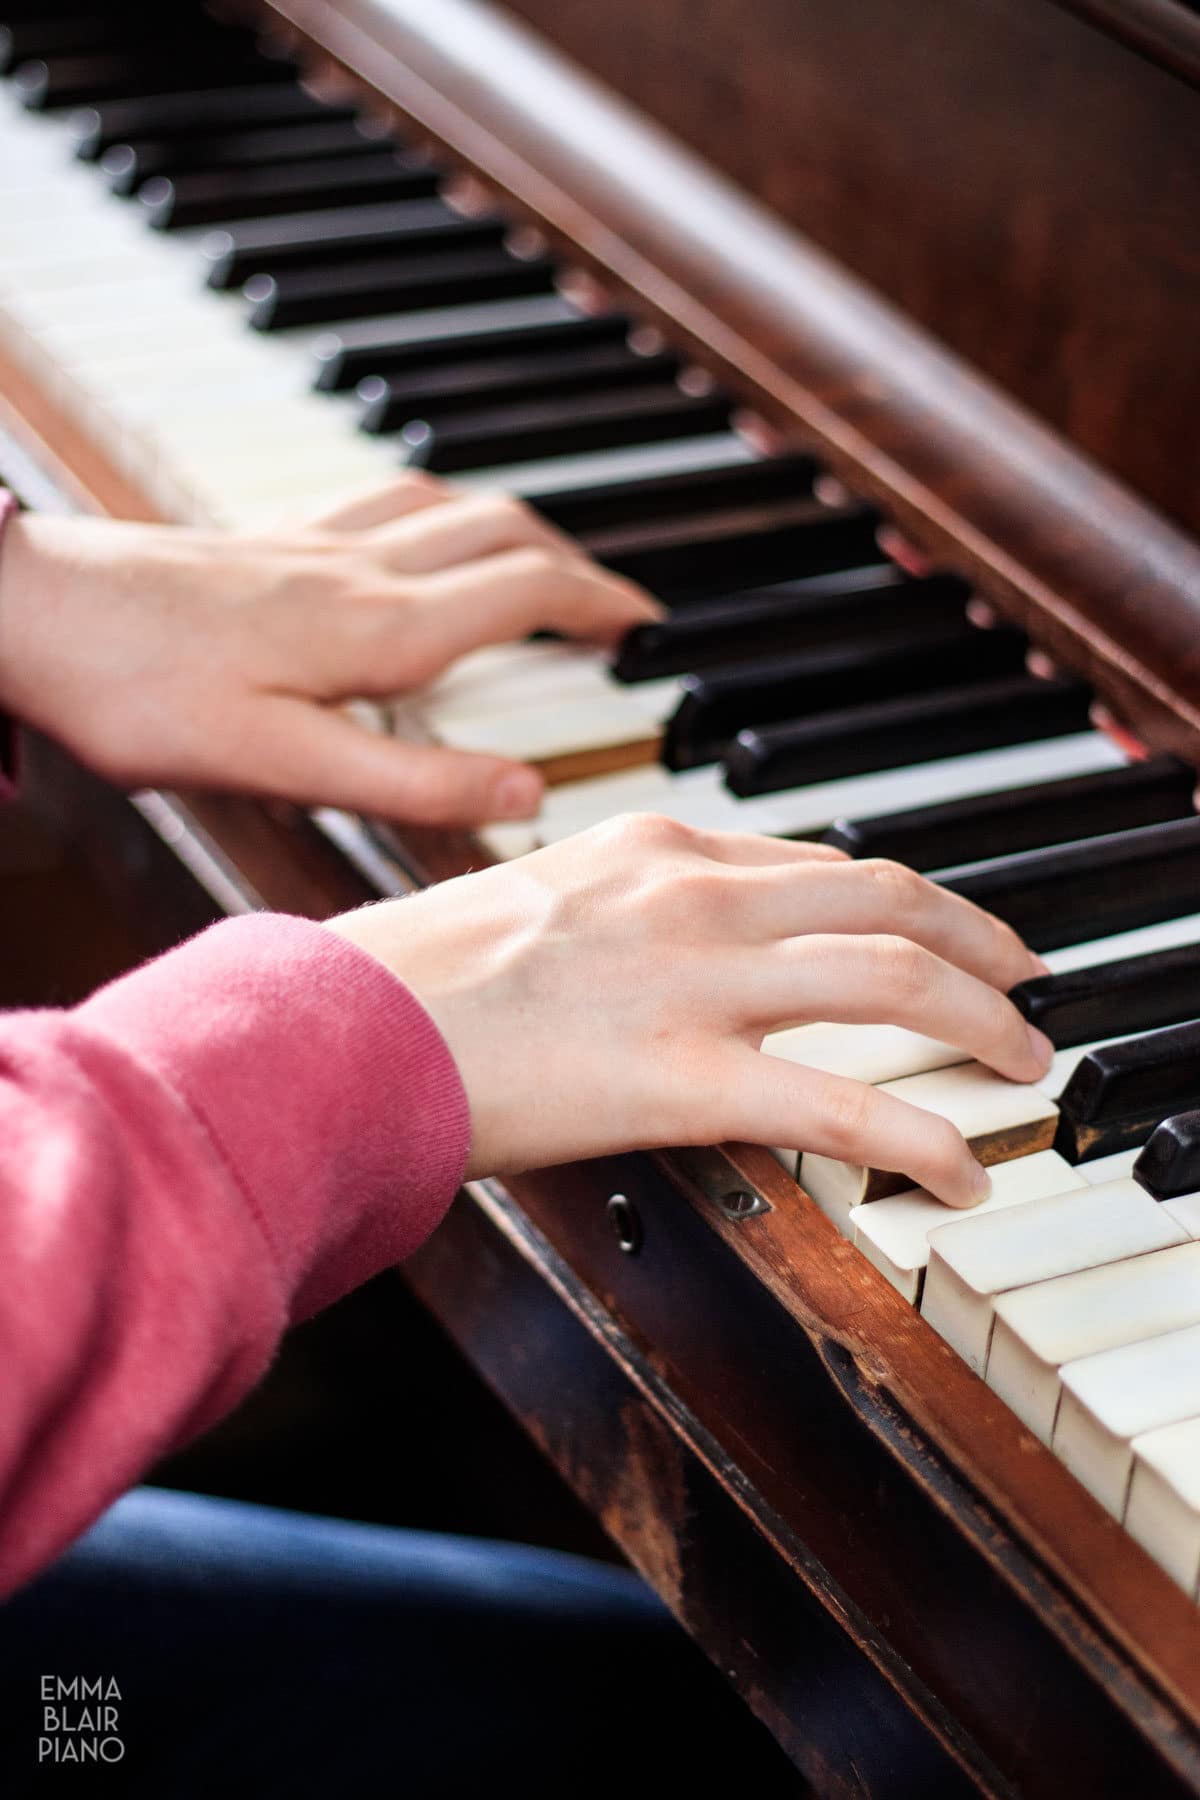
(273,1654)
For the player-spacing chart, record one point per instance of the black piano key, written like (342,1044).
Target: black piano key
(893,734)
(373,346)
(752,547)
(1053,812)
(1169,1165)
(206,197)
(47,82)
(636,501)
(1138,993)
(126,166)
(797,615)
(509,434)
(1069,893)
(343,235)
(390,401)
(1120,1092)
(392,284)
(71,34)
(180,116)
(715,707)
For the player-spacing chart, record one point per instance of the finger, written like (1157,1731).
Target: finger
(500,599)
(892,981)
(318,757)
(411,492)
(468,527)
(871,896)
(746,849)
(769,1101)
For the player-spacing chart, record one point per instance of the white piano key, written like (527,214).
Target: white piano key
(596,467)
(977,1258)
(871,1053)
(699,796)
(1112,1398)
(1103,1169)
(1163,1511)
(893,1233)
(1038,1329)
(1185,1210)
(1168,934)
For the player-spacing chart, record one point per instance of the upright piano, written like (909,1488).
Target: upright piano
(866,336)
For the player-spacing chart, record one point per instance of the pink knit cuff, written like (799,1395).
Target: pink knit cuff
(8,730)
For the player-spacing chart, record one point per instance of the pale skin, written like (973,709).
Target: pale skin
(608,993)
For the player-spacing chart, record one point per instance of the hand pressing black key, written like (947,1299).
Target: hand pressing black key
(344,235)
(543,428)
(1138,993)
(392,284)
(1023,818)
(1170,1163)
(1072,892)
(895,734)
(1119,1093)
(715,707)
(208,196)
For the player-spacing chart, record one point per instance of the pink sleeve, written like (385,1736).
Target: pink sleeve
(207,1149)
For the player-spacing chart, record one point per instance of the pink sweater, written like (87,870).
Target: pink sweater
(206,1150)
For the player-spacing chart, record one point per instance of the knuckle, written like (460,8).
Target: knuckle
(897,888)
(847,1113)
(909,971)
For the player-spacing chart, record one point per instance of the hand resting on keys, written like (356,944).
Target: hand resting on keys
(163,654)
(613,991)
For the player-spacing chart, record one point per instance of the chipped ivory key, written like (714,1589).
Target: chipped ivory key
(1112,1398)
(973,1260)
(1040,1328)
(1163,1512)
(1000,1120)
(894,1233)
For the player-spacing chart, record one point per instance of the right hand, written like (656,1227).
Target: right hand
(612,993)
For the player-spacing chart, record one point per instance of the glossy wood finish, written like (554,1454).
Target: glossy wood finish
(1105,582)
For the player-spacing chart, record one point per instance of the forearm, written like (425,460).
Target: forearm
(220,1143)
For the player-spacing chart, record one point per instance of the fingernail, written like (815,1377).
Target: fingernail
(517,796)
(1042,967)
(981,1183)
(1042,1048)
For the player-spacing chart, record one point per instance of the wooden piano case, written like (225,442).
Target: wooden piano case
(904,1585)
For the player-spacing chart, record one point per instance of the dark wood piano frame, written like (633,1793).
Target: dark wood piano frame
(907,1588)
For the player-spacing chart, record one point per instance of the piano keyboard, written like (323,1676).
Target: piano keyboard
(260,305)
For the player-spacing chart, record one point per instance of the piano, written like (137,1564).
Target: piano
(866,337)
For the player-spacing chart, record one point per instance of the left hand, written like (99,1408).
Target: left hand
(163,654)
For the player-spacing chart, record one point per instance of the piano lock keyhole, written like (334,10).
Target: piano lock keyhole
(626,1223)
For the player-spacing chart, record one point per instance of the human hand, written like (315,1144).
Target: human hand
(164,654)
(612,992)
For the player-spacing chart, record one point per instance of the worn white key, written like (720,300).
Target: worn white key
(1040,1328)
(894,1233)
(1112,1398)
(975,1259)
(1163,1510)
(870,1053)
